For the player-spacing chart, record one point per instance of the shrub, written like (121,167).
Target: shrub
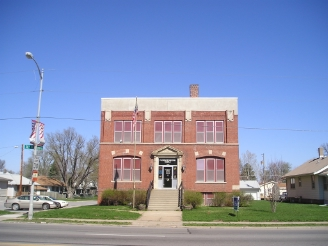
(122,197)
(225,199)
(193,198)
(219,199)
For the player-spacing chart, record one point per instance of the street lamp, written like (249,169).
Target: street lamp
(35,156)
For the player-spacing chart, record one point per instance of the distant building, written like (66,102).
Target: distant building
(192,140)
(250,187)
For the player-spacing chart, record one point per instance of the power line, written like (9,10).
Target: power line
(240,127)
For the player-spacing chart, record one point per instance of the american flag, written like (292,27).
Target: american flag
(135,113)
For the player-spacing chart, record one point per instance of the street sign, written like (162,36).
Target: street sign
(31,146)
(35,176)
(36,163)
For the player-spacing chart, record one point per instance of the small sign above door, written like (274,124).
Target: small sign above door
(167,161)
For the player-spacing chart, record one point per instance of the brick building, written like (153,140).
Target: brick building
(192,140)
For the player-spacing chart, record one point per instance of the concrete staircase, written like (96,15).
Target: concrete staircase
(163,200)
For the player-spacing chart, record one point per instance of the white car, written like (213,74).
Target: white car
(61,203)
(22,202)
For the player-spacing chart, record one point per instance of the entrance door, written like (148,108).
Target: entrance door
(167,179)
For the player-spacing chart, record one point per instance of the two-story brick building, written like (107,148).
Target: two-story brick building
(193,139)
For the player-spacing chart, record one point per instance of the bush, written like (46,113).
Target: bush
(193,198)
(219,199)
(225,199)
(122,197)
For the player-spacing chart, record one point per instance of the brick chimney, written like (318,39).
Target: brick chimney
(193,90)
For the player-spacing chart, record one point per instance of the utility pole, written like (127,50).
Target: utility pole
(262,162)
(21,170)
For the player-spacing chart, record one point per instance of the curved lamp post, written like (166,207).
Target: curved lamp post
(36,159)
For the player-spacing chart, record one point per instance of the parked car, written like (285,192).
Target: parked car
(60,203)
(283,197)
(22,202)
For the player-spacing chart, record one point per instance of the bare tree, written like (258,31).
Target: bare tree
(249,167)
(325,148)
(75,158)
(275,171)
(2,165)
(27,168)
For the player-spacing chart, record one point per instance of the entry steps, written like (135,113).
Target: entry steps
(164,200)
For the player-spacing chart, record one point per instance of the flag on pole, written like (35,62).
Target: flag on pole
(135,113)
(33,139)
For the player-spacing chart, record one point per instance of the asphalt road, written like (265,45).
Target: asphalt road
(62,234)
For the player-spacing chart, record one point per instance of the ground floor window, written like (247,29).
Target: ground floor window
(208,199)
(210,170)
(126,169)
(325,183)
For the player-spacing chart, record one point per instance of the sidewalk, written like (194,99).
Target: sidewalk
(159,219)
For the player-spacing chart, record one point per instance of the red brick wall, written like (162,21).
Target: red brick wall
(188,147)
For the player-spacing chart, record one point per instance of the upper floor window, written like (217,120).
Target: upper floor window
(124,132)
(292,183)
(168,131)
(125,169)
(210,170)
(209,132)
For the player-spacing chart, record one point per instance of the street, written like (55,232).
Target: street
(60,234)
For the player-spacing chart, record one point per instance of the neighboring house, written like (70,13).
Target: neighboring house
(4,185)
(250,187)
(191,140)
(308,183)
(14,183)
(268,187)
(89,189)
(50,184)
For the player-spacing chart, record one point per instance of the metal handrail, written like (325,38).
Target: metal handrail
(181,196)
(150,187)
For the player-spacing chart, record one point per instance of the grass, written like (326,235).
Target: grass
(259,211)
(94,212)
(3,212)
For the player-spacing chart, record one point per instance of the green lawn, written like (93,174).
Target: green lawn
(2,212)
(259,211)
(90,212)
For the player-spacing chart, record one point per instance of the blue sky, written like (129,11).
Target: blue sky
(272,55)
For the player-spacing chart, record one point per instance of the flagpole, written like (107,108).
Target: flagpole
(134,155)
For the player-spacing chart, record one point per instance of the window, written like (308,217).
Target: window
(124,132)
(209,132)
(210,170)
(292,183)
(208,199)
(168,131)
(325,183)
(299,181)
(123,169)
(313,181)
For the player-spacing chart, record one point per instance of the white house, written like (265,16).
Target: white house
(308,183)
(13,184)
(267,188)
(250,187)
